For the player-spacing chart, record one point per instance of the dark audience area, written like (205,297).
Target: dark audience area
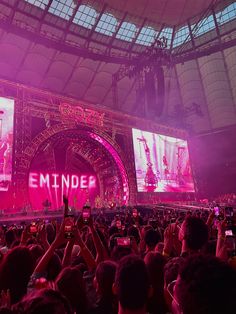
(132,261)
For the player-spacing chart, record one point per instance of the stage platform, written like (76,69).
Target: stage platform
(25,218)
(57,214)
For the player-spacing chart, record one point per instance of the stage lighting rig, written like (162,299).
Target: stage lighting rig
(147,72)
(180,114)
(185,112)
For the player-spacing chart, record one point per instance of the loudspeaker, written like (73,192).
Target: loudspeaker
(150,90)
(160,91)
(155,90)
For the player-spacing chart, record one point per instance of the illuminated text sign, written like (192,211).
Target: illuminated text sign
(81,114)
(61,181)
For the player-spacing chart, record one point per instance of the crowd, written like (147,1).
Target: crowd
(127,263)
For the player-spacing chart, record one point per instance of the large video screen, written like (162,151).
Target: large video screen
(161,163)
(6,141)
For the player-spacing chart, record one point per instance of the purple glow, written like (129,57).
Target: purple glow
(52,187)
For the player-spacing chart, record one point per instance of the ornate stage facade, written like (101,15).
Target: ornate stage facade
(65,146)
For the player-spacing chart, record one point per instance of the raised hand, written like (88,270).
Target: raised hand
(5,300)
(168,241)
(25,236)
(65,200)
(42,236)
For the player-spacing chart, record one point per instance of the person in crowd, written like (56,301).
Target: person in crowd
(44,301)
(155,263)
(70,284)
(9,239)
(15,271)
(205,285)
(132,286)
(192,234)
(94,272)
(151,238)
(171,271)
(103,282)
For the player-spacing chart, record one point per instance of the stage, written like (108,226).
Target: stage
(59,146)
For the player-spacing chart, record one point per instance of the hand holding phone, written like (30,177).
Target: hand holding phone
(229,233)
(123,242)
(86,214)
(33,229)
(135,213)
(66,203)
(217,211)
(229,212)
(65,200)
(69,227)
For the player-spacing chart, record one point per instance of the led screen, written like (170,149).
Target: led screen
(161,163)
(6,141)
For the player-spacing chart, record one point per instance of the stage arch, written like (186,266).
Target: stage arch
(91,149)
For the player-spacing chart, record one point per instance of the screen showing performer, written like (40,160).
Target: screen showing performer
(162,163)
(6,141)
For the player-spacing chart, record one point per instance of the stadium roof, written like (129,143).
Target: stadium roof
(170,12)
(74,47)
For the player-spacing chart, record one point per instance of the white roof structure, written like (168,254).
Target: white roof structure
(74,48)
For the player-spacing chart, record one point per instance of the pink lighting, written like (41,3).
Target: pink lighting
(56,181)
(52,187)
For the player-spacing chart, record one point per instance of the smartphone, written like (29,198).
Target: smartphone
(230,243)
(229,233)
(229,212)
(86,213)
(123,242)
(217,211)
(69,227)
(135,213)
(33,228)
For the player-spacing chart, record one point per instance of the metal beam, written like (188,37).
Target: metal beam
(116,32)
(193,54)
(71,75)
(138,33)
(11,17)
(72,18)
(96,24)
(48,67)
(191,34)
(172,38)
(43,16)
(92,79)
(128,93)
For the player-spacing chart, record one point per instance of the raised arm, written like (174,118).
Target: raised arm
(84,251)
(102,253)
(60,239)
